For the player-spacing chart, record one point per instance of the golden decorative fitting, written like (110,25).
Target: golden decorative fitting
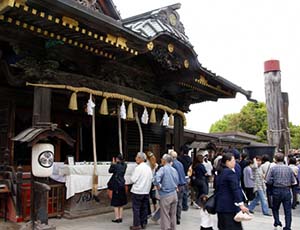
(70,21)
(45,32)
(111,39)
(77,29)
(1,17)
(25,8)
(202,80)
(25,25)
(50,17)
(170,47)
(150,46)
(75,43)
(39,30)
(42,14)
(58,37)
(186,63)
(95,36)
(9,20)
(5,4)
(18,23)
(83,31)
(34,11)
(90,33)
(31,28)
(121,42)
(57,20)
(64,39)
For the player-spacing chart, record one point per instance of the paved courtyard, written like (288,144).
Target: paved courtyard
(190,221)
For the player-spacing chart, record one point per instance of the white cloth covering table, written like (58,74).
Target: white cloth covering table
(79,177)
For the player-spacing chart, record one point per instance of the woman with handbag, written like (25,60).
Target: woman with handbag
(199,179)
(117,185)
(229,200)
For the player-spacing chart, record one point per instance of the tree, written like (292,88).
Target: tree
(251,119)
(295,136)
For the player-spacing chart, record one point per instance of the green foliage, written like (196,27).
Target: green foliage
(252,119)
(295,136)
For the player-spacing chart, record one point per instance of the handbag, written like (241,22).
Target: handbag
(242,216)
(210,205)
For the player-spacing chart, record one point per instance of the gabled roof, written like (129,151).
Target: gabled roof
(157,22)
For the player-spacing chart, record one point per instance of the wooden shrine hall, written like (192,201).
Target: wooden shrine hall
(140,73)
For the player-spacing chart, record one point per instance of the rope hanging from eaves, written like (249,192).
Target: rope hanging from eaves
(107,95)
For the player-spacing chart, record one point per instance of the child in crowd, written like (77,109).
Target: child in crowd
(206,222)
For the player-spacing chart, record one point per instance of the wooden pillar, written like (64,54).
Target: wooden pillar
(178,132)
(275,106)
(41,106)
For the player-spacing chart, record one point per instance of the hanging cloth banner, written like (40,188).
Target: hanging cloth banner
(145,117)
(123,110)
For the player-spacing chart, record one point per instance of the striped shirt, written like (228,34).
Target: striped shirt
(281,176)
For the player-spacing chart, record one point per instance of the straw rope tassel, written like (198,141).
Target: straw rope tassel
(73,101)
(153,116)
(130,112)
(103,107)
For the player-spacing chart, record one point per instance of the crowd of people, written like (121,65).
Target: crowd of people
(239,185)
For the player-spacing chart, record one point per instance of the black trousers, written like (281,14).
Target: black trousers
(140,209)
(226,222)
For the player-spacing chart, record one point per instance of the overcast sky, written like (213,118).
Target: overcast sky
(233,38)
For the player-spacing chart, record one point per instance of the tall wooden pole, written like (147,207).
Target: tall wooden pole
(276,107)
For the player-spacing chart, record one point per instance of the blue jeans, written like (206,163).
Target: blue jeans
(282,195)
(260,196)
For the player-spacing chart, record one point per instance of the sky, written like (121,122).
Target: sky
(234,38)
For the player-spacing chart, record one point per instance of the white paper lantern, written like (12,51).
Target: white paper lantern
(42,160)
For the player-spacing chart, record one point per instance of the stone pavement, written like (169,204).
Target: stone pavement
(189,221)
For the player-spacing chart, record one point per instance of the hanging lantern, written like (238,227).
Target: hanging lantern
(90,106)
(73,102)
(145,116)
(153,116)
(130,112)
(103,108)
(123,110)
(165,119)
(171,120)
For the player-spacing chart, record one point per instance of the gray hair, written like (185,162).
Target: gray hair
(173,154)
(167,158)
(141,155)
